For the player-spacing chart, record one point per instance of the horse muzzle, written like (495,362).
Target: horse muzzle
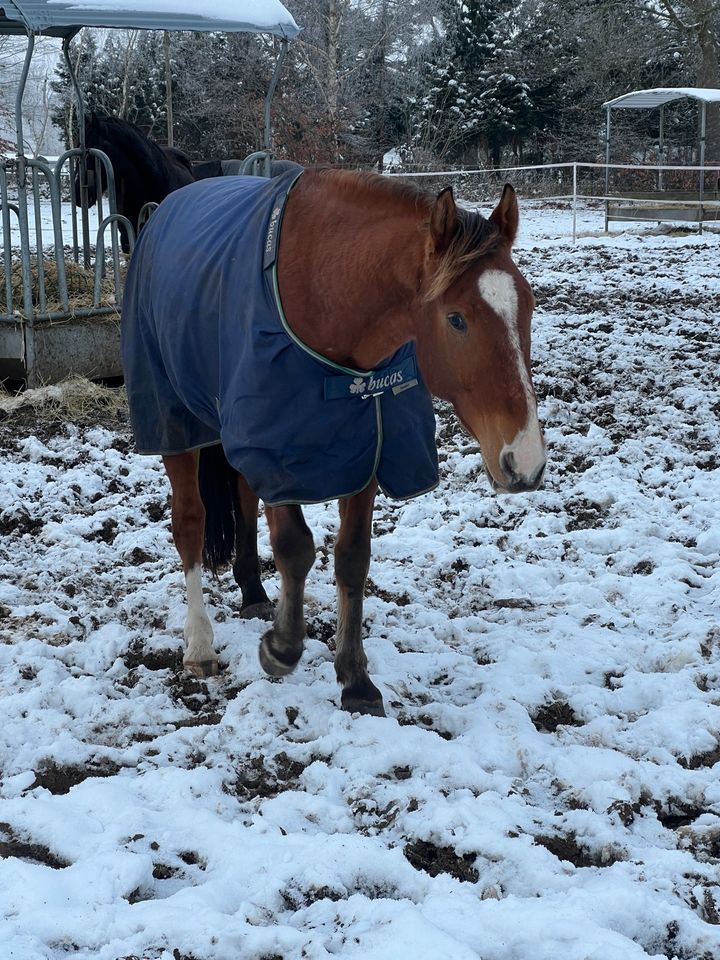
(513,481)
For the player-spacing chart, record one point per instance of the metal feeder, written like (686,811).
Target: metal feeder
(42,342)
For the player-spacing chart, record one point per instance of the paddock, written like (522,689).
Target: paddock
(545,783)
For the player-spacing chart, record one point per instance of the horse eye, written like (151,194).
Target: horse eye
(457,322)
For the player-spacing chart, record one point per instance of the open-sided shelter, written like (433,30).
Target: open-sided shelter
(661,204)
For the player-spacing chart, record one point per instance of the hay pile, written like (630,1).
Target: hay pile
(80,283)
(73,400)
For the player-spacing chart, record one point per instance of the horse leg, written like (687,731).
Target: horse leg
(352,561)
(188,528)
(246,569)
(124,238)
(122,208)
(281,647)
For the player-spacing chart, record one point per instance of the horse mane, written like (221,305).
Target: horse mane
(476,236)
(151,171)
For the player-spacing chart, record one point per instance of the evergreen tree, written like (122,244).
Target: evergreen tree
(124,77)
(475,100)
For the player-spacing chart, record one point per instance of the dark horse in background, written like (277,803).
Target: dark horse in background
(144,171)
(205,169)
(383,294)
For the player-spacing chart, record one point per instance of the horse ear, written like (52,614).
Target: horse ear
(443,220)
(506,215)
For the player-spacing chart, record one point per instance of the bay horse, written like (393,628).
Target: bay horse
(281,340)
(144,171)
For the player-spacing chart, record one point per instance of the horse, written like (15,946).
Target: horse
(282,341)
(144,171)
(203,169)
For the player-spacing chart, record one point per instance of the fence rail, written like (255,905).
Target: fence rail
(642,192)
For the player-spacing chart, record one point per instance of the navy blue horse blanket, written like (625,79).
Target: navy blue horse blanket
(209,358)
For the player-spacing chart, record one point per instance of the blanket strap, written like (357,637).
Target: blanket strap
(398,378)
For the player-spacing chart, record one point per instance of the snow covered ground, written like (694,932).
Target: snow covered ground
(545,786)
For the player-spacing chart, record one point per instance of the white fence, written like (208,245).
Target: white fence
(623,192)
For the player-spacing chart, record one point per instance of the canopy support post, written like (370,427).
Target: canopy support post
(76,87)
(23,210)
(20,96)
(607,169)
(703,125)
(83,171)
(661,158)
(267,136)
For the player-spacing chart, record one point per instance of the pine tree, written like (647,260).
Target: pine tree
(475,101)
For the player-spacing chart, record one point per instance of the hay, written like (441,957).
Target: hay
(73,399)
(80,285)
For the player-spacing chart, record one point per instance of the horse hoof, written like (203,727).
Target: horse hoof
(258,611)
(368,708)
(202,669)
(272,664)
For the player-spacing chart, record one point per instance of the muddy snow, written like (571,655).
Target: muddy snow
(546,783)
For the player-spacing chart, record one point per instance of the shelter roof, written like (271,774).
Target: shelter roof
(647,99)
(61,18)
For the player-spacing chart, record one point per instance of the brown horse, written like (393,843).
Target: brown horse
(363,269)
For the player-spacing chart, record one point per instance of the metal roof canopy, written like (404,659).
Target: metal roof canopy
(64,18)
(658,97)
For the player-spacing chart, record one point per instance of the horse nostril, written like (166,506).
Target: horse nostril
(507,465)
(537,477)
(517,482)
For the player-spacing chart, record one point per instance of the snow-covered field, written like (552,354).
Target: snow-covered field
(546,783)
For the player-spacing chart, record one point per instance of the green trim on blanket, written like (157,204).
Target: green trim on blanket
(350,371)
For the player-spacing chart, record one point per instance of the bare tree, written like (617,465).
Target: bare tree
(699,22)
(37,115)
(131,40)
(36,101)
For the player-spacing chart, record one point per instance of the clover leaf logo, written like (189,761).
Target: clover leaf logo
(358,385)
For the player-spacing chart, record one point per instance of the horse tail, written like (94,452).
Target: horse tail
(218,490)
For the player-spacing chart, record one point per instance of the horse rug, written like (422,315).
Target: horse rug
(209,357)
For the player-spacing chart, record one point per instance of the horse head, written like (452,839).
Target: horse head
(474,341)
(93,139)
(144,172)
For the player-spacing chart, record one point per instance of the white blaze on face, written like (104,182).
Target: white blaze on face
(498,290)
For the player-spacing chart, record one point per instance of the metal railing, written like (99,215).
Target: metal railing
(26,189)
(624,191)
